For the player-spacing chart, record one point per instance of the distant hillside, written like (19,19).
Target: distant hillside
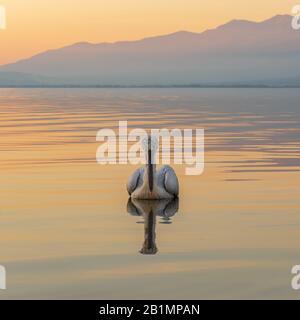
(239,52)
(20,79)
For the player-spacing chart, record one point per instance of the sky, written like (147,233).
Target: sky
(34,26)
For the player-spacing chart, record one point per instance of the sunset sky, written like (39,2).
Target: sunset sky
(37,25)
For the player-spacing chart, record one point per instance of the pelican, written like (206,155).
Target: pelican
(150,209)
(148,184)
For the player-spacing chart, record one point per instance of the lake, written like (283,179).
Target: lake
(67,230)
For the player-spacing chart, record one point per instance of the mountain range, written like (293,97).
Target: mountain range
(239,52)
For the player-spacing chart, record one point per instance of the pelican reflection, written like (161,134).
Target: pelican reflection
(149,210)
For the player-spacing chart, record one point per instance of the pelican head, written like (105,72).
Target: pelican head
(150,145)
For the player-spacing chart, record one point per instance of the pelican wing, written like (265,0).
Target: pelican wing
(168,178)
(132,209)
(171,208)
(134,180)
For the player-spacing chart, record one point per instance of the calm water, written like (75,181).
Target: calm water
(67,230)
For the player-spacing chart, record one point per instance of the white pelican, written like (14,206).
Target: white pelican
(146,183)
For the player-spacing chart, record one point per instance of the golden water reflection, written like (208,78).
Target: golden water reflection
(64,229)
(149,210)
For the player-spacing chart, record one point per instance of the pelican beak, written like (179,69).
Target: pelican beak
(150,171)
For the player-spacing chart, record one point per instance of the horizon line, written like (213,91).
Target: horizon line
(183,86)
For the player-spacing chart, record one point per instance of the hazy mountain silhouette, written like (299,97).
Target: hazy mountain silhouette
(237,52)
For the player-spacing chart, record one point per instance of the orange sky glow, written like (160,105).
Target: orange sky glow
(35,26)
